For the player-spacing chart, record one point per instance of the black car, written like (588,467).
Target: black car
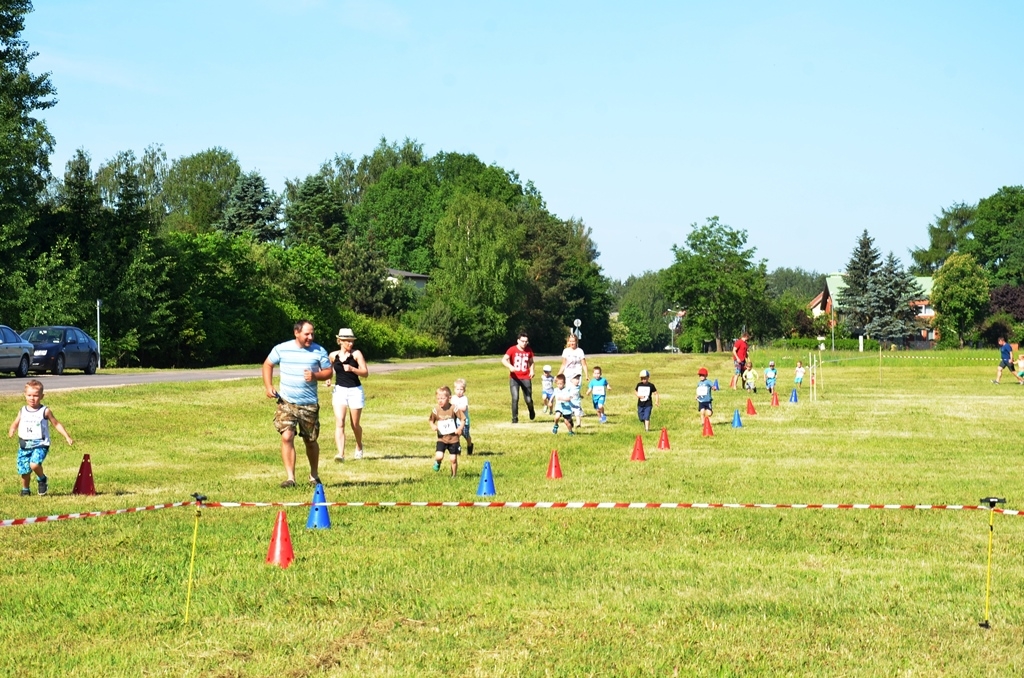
(58,347)
(15,352)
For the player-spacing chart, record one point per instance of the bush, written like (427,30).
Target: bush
(812,344)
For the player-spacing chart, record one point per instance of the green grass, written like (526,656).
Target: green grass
(506,592)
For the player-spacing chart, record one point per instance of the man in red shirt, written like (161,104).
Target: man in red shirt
(739,357)
(519,362)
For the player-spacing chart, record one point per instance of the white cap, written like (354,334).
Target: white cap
(547,368)
(644,373)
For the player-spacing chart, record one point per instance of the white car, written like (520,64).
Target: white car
(15,352)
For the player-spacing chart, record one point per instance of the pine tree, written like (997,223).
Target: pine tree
(864,263)
(889,299)
(253,208)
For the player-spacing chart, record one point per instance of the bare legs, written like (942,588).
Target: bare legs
(288,455)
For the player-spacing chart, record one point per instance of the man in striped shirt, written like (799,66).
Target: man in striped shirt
(302,364)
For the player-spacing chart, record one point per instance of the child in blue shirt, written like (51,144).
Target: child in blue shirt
(547,385)
(597,389)
(704,396)
(770,375)
(576,400)
(562,404)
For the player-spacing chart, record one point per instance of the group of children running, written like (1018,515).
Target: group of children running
(749,376)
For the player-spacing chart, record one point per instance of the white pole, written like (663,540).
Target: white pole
(99,351)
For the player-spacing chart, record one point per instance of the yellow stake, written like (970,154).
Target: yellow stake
(991,501)
(192,561)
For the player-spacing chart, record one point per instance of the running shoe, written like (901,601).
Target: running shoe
(43,486)
(437,466)
(359,454)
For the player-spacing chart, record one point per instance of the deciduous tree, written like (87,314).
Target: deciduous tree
(960,295)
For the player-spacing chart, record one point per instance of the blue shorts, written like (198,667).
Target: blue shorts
(548,395)
(770,383)
(598,402)
(33,455)
(643,410)
(798,381)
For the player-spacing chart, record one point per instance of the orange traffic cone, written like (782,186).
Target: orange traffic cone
(554,468)
(732,382)
(280,552)
(750,407)
(84,484)
(638,450)
(663,441)
(707,432)
(775,398)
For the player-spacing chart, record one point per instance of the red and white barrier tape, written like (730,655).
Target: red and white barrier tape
(92,514)
(512,505)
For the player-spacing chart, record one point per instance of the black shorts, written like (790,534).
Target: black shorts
(450,448)
(704,406)
(1006,363)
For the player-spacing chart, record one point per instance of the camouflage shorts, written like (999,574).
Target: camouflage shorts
(303,419)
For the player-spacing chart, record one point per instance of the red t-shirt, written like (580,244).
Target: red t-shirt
(521,361)
(741,349)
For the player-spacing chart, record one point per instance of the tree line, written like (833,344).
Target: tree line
(198,262)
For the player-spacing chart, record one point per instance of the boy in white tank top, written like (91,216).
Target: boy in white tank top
(33,427)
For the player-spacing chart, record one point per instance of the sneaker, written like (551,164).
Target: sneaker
(469,450)
(437,466)
(359,454)
(43,485)
(554,429)
(515,420)
(340,458)
(604,419)
(287,483)
(995,382)
(25,492)
(533,414)
(572,433)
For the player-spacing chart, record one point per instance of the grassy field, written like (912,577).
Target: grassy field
(507,592)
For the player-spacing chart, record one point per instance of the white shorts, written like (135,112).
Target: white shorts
(352,398)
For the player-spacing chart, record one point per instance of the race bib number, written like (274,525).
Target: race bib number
(644,392)
(599,390)
(447,426)
(31,430)
(703,390)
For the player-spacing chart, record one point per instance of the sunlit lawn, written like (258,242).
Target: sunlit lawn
(509,592)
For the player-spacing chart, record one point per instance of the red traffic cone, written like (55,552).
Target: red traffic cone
(750,407)
(84,484)
(775,398)
(663,441)
(732,382)
(707,432)
(280,552)
(554,468)
(638,450)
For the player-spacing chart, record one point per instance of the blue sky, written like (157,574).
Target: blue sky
(802,123)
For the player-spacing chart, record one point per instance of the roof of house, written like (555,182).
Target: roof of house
(398,273)
(835,284)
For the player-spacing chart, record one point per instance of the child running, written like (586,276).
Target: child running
(33,427)
(448,423)
(750,378)
(461,403)
(770,375)
(563,405)
(646,397)
(799,378)
(597,389)
(704,396)
(547,386)
(575,399)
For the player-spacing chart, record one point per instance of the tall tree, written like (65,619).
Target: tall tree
(863,265)
(946,234)
(25,142)
(197,190)
(997,241)
(890,296)
(716,279)
(643,311)
(960,295)
(315,214)
(253,208)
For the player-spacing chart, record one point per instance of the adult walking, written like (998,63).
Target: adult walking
(302,363)
(1005,360)
(519,362)
(347,397)
(574,361)
(739,359)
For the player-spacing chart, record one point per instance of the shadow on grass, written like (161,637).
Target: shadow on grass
(375,483)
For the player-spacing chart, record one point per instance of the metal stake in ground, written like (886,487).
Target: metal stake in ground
(200,498)
(991,501)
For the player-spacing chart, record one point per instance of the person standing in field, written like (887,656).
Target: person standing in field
(739,358)
(461,402)
(518,360)
(704,395)
(347,398)
(798,379)
(303,362)
(33,427)
(646,398)
(1005,360)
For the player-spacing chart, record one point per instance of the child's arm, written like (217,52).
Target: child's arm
(14,426)
(433,421)
(57,425)
(657,399)
(461,417)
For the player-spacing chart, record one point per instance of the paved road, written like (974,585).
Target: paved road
(76,380)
